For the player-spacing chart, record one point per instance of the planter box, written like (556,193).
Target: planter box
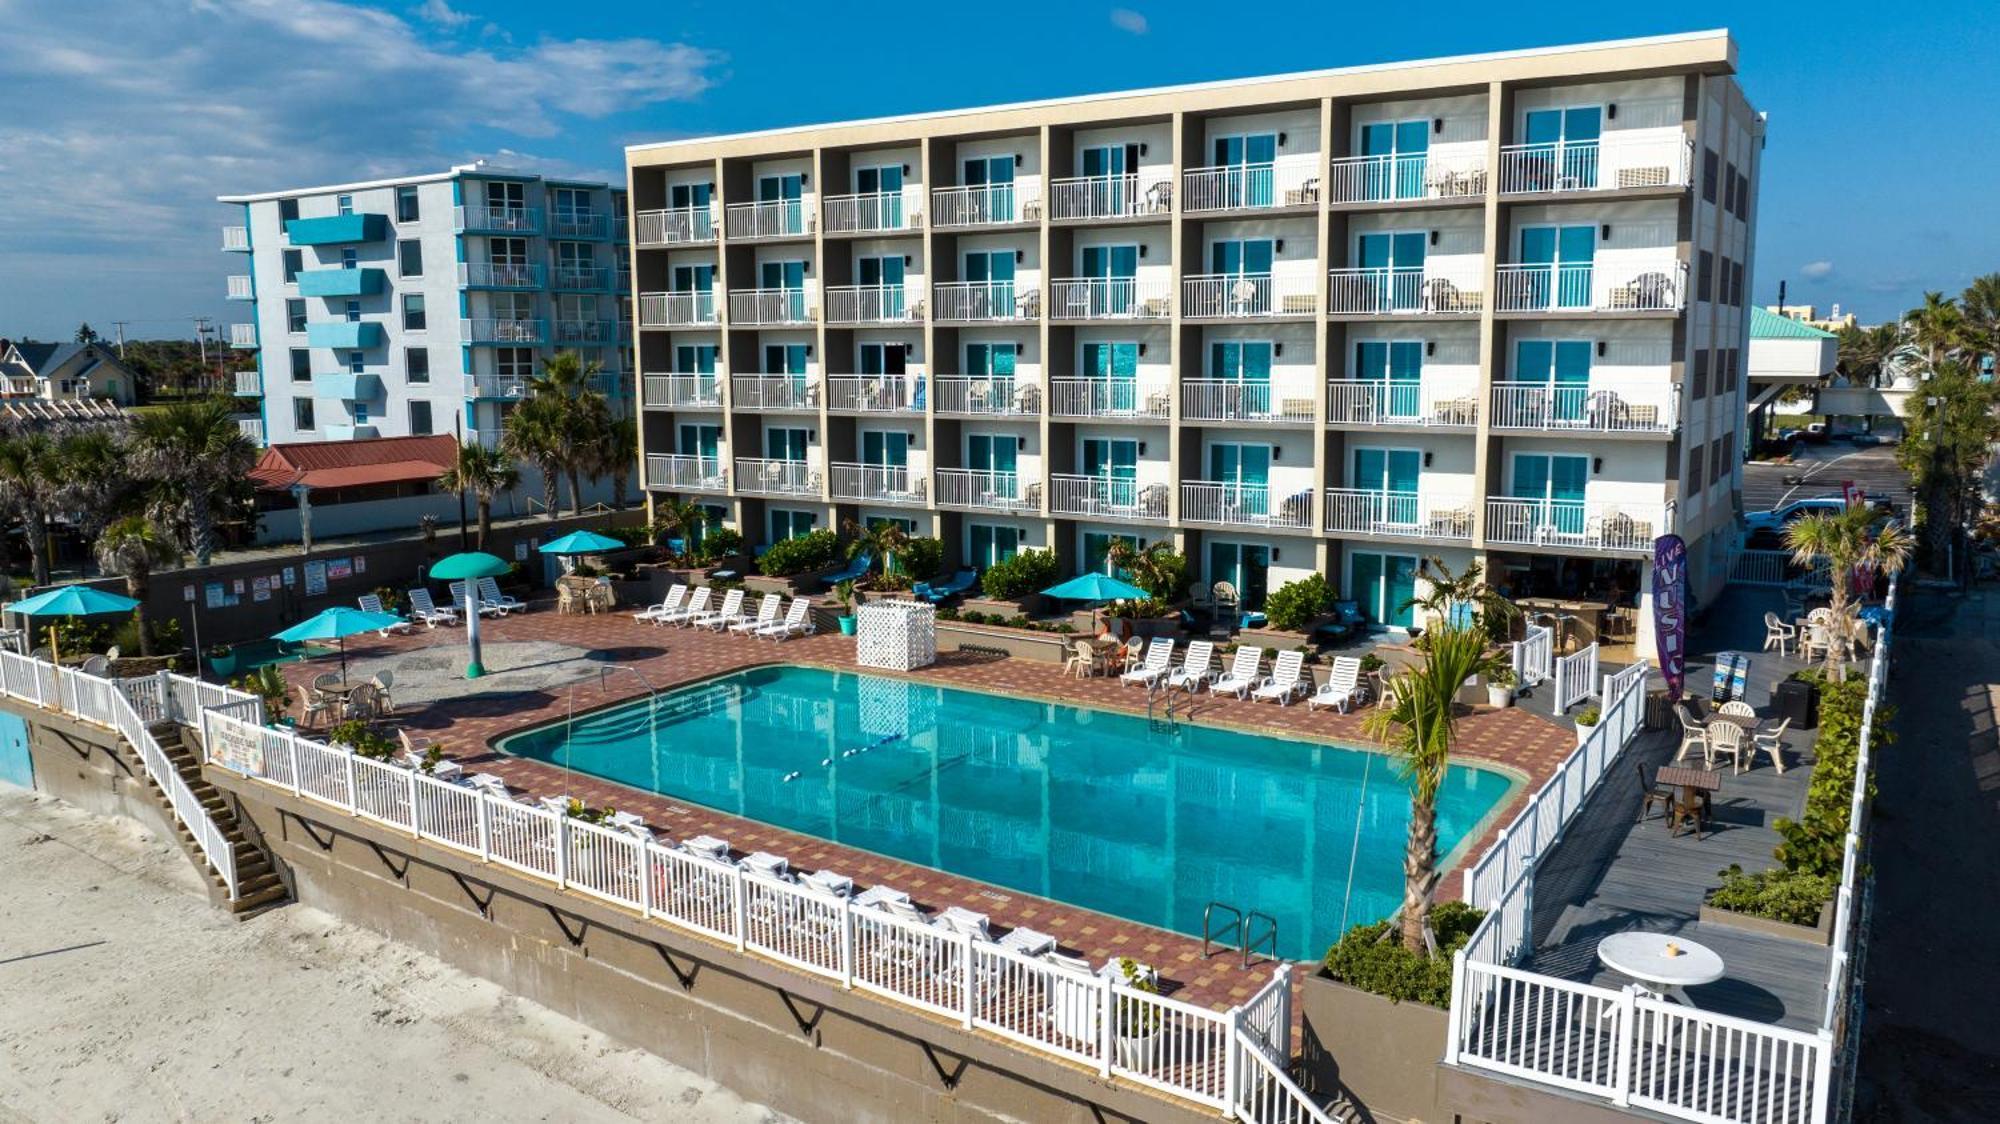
(1147,627)
(1280,639)
(1382,1053)
(1043,647)
(995,607)
(1820,934)
(796,585)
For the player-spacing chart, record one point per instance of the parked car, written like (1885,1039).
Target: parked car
(1814,434)
(1778,518)
(1864,440)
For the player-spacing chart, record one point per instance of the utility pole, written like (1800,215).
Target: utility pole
(201,339)
(119,325)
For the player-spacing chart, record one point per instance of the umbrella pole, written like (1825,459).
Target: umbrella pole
(473,669)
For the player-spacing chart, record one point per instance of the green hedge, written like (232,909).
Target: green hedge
(1027,572)
(807,554)
(1812,843)
(1780,895)
(1367,959)
(921,559)
(1297,604)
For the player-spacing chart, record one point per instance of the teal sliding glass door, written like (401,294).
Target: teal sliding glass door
(1559,260)
(1563,368)
(987,544)
(994,453)
(1398,367)
(993,269)
(1397,154)
(787,191)
(1106,168)
(1246,364)
(1244,471)
(881,191)
(1247,162)
(1246,566)
(1384,585)
(1113,371)
(1394,261)
(1113,272)
(790,277)
(1563,147)
(1113,463)
(994,177)
(1554,485)
(694,359)
(1391,474)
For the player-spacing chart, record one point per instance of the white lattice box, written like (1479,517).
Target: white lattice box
(898,635)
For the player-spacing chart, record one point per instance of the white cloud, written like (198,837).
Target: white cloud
(442,14)
(1125,19)
(1816,270)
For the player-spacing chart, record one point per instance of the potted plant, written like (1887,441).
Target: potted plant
(222,660)
(1586,722)
(1137,1028)
(843,595)
(1500,686)
(266,683)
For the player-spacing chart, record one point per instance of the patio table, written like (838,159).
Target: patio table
(1660,963)
(1748,723)
(1692,806)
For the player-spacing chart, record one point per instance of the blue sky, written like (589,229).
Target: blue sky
(123,119)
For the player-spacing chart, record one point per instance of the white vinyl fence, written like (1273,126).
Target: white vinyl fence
(1534,655)
(1576,678)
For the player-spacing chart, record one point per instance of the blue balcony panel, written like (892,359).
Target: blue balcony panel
(345,334)
(335,230)
(341,282)
(347,387)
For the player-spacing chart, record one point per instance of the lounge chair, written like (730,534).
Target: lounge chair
(798,622)
(1342,688)
(1159,661)
(1284,683)
(767,611)
(856,569)
(1347,622)
(1242,674)
(653,614)
(427,611)
(696,606)
(489,594)
(959,583)
(1197,666)
(719,619)
(415,746)
(370,603)
(486,608)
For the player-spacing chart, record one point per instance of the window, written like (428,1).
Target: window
(514,362)
(1704,277)
(1715,460)
(354,312)
(1735,368)
(413,312)
(406,205)
(1694,476)
(302,414)
(787,524)
(350,258)
(295,260)
(1700,389)
(1722,282)
(344,204)
(301,365)
(420,417)
(1728,453)
(1736,284)
(416,364)
(409,258)
(295,316)
(288,210)
(355,365)
(1711,167)
(1729,188)
(361,413)
(1743,196)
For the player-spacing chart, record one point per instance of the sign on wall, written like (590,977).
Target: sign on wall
(1670,610)
(315,578)
(239,748)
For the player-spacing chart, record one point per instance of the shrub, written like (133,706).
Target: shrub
(1371,958)
(1295,605)
(1779,895)
(1591,716)
(719,542)
(1027,572)
(921,559)
(365,742)
(807,554)
(1812,844)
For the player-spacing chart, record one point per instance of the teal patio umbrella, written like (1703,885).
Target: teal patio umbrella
(469,567)
(338,624)
(1096,588)
(71,601)
(579,542)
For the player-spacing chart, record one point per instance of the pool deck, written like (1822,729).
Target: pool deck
(1514,739)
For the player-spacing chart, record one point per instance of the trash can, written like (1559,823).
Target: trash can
(1799,701)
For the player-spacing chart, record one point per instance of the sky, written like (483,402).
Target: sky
(122,120)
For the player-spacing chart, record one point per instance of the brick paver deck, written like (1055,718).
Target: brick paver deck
(1512,739)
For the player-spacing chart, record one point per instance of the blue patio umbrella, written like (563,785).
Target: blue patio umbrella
(579,542)
(469,567)
(1096,587)
(338,624)
(71,601)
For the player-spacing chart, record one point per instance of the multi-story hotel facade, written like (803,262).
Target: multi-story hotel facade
(1489,307)
(421,305)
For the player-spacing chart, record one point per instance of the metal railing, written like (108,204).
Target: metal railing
(249,384)
(774,392)
(500,219)
(1225,295)
(499,275)
(489,330)
(236,238)
(1404,291)
(888,483)
(1239,400)
(1418,175)
(875,394)
(1577,524)
(499,386)
(672,390)
(1108,497)
(752,307)
(1446,402)
(684,472)
(1602,406)
(677,310)
(1109,298)
(784,218)
(243,335)
(987,491)
(1422,515)
(1246,505)
(578,224)
(1289,181)
(239,288)
(1110,398)
(252,428)
(871,211)
(762,476)
(992,204)
(589,333)
(676,226)
(581,278)
(985,300)
(1591,287)
(1608,164)
(872,304)
(1082,198)
(988,395)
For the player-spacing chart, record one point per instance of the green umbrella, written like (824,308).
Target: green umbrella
(71,601)
(579,542)
(338,623)
(1096,587)
(469,567)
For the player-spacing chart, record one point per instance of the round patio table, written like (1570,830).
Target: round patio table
(1643,957)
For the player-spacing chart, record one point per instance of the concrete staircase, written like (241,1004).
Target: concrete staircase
(258,886)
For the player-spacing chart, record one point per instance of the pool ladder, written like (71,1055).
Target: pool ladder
(1248,940)
(1167,724)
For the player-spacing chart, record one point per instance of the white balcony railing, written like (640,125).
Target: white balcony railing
(1109,298)
(1608,164)
(1080,198)
(1577,524)
(785,218)
(677,310)
(499,275)
(1404,291)
(1108,497)
(985,300)
(487,329)
(774,392)
(872,304)
(587,333)
(870,212)
(249,384)
(499,386)
(1229,295)
(1291,181)
(584,278)
(750,307)
(681,472)
(572,223)
(992,204)
(1246,505)
(669,391)
(243,335)
(988,394)
(1361,511)
(1420,175)
(252,428)
(1449,402)
(1622,406)
(676,226)
(883,483)
(236,238)
(239,287)
(1239,400)
(1109,398)
(499,218)
(1657,286)
(987,491)
(767,477)
(875,394)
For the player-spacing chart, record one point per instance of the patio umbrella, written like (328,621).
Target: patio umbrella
(338,624)
(71,601)
(579,542)
(469,567)
(1096,587)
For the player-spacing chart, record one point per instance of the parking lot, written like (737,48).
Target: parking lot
(1821,470)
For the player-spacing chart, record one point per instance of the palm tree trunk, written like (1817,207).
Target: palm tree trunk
(485,505)
(549,474)
(38,547)
(1420,874)
(201,527)
(575,491)
(135,588)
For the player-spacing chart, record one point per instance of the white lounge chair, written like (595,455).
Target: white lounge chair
(489,594)
(486,608)
(1196,666)
(371,603)
(696,606)
(1284,683)
(798,622)
(767,611)
(427,611)
(1159,660)
(1342,688)
(1242,674)
(652,614)
(719,619)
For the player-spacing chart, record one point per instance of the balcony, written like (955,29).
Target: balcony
(1291,181)
(582,279)
(768,307)
(1568,525)
(1608,164)
(1411,291)
(337,230)
(586,333)
(1108,198)
(240,288)
(499,387)
(984,301)
(1246,505)
(1113,500)
(1402,515)
(1429,402)
(342,282)
(483,219)
(346,386)
(1234,400)
(676,226)
(346,335)
(236,239)
(1414,178)
(980,490)
(682,392)
(767,393)
(683,473)
(988,396)
(875,394)
(252,428)
(993,204)
(1110,298)
(763,477)
(1637,406)
(872,213)
(592,225)
(243,335)
(677,310)
(1659,285)
(499,275)
(878,483)
(249,384)
(871,304)
(784,218)
(1244,296)
(1110,399)
(511,332)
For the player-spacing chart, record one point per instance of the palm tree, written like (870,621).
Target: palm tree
(1419,727)
(1938,328)
(1156,567)
(1864,353)
(1843,541)
(531,432)
(200,455)
(675,518)
(485,473)
(30,480)
(1981,305)
(577,415)
(96,479)
(1491,612)
(135,546)
(616,455)
(884,538)
(1946,441)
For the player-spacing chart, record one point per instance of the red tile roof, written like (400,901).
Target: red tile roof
(351,464)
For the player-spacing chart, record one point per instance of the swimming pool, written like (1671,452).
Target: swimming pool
(1093,808)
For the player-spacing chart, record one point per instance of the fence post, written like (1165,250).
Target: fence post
(645,877)
(1623,1041)
(737,920)
(1823,1076)
(562,850)
(163,682)
(1232,1062)
(353,803)
(969,985)
(1454,1025)
(292,750)
(485,829)
(416,821)
(1105,1035)
(847,944)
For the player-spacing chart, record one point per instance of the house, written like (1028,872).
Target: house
(352,486)
(64,372)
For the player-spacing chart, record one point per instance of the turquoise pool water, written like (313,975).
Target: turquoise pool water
(1093,808)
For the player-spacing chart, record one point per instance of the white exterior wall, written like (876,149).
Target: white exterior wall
(1027,363)
(1027,261)
(1026,151)
(1292,369)
(1156,139)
